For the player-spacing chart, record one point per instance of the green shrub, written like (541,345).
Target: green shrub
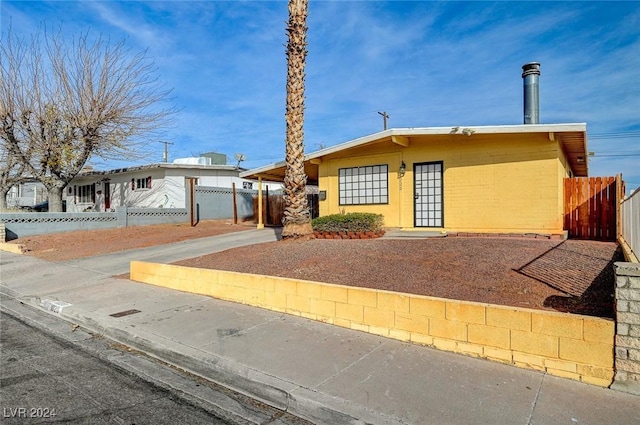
(351,222)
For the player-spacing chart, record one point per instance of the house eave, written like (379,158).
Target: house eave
(571,136)
(168,166)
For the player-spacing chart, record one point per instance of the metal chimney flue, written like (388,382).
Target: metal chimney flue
(530,76)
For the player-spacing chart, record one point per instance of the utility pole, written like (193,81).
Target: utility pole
(165,157)
(384,118)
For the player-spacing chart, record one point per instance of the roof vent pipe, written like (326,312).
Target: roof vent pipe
(530,76)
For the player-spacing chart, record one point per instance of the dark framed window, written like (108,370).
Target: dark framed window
(85,194)
(143,183)
(364,185)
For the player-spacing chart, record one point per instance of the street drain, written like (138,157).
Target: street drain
(125,313)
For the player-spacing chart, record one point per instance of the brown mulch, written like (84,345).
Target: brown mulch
(571,276)
(487,270)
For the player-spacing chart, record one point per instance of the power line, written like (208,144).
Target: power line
(615,135)
(620,154)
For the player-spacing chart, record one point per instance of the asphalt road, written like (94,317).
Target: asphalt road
(46,379)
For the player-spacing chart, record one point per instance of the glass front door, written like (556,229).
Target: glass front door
(428,202)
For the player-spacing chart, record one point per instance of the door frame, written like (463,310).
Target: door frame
(415,195)
(107,194)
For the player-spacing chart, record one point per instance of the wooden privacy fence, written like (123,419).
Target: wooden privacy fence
(591,207)
(273,208)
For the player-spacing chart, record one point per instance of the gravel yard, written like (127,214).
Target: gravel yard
(571,276)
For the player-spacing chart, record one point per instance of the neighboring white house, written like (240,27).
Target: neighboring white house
(26,194)
(161,185)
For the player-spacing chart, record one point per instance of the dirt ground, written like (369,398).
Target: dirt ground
(88,243)
(572,276)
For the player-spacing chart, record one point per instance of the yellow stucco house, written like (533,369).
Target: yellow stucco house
(484,179)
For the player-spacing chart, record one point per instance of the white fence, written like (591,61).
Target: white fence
(211,203)
(630,215)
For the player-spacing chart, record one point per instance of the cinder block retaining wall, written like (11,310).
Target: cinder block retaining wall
(22,224)
(627,341)
(571,346)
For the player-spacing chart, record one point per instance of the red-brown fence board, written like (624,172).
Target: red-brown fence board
(591,207)
(621,190)
(593,202)
(614,206)
(598,216)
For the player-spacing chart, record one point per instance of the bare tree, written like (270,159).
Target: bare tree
(62,103)
(297,219)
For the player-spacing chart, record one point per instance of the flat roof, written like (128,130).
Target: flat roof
(167,165)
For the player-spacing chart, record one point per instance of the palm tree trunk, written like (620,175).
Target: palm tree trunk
(297,219)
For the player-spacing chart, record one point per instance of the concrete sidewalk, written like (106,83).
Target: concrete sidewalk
(118,262)
(327,374)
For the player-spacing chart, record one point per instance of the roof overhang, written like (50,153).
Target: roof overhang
(571,137)
(166,166)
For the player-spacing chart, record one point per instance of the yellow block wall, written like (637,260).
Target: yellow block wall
(564,171)
(329,181)
(492,183)
(570,346)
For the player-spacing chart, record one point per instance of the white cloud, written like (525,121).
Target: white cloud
(425,63)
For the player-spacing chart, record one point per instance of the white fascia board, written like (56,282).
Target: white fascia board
(529,128)
(426,131)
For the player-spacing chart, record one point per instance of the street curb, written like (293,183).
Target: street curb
(216,402)
(314,406)
(306,403)
(220,370)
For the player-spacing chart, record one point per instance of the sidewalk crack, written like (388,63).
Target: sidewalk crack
(535,401)
(349,366)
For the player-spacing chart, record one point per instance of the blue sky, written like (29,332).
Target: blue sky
(425,63)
